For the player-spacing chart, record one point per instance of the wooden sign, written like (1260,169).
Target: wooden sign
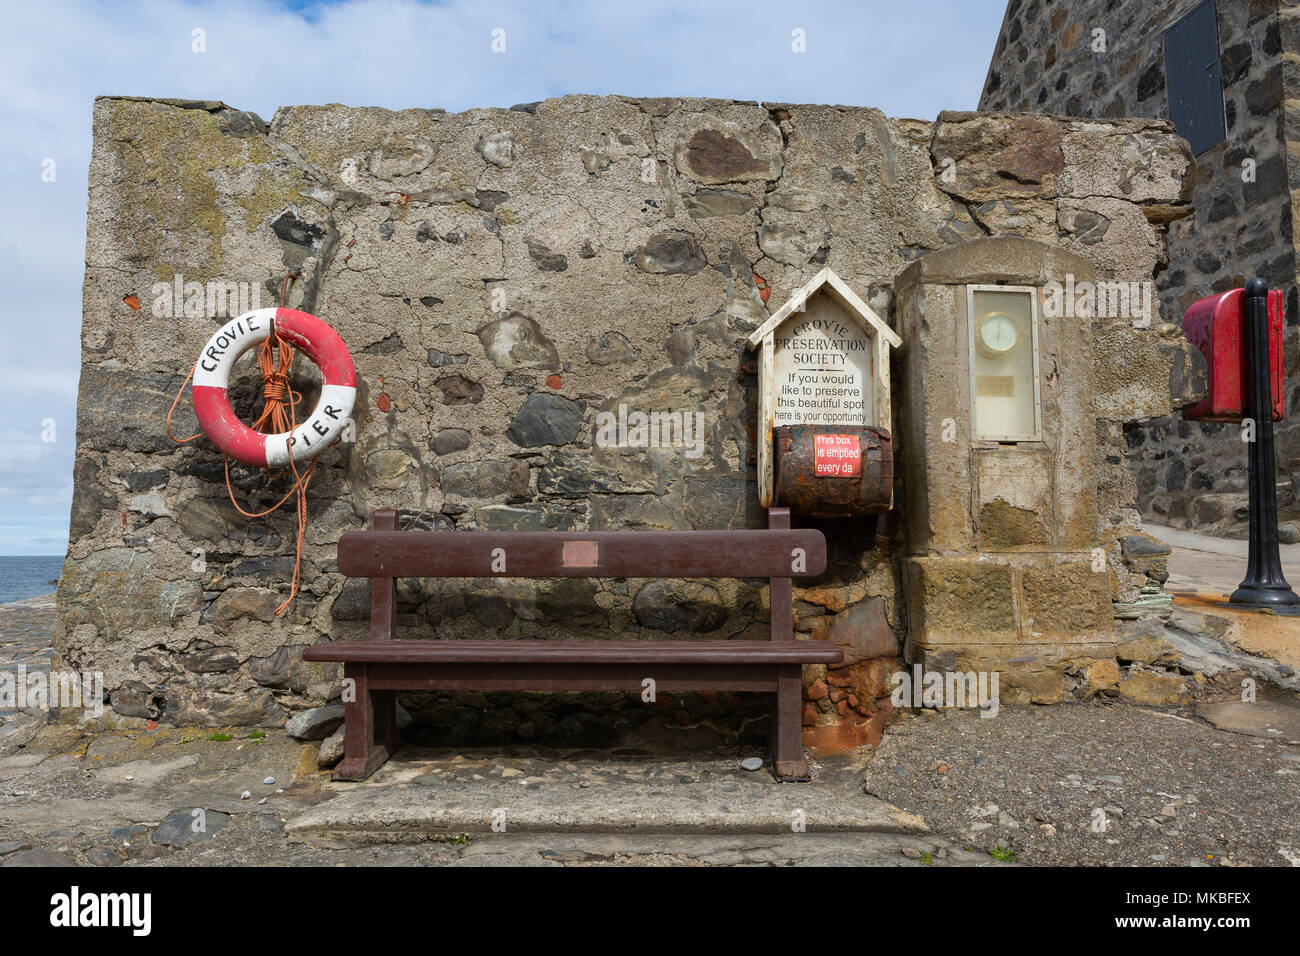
(823,369)
(824,360)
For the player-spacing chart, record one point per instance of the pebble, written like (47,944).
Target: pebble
(262,801)
(245,795)
(268,781)
(1168,810)
(752,763)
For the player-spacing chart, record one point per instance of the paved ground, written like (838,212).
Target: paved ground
(160,798)
(25,635)
(1098,784)
(1072,784)
(1205,563)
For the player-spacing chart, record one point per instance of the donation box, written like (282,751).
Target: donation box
(1216,325)
(824,447)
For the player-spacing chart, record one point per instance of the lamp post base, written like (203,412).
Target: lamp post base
(1278,597)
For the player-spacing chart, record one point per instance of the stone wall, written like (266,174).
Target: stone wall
(1048,58)
(502,278)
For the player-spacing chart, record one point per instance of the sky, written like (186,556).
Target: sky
(909,59)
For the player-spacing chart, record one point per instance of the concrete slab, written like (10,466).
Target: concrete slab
(663,849)
(429,797)
(1272,719)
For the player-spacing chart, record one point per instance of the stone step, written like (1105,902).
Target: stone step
(415,803)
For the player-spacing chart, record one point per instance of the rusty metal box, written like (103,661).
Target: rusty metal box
(1216,326)
(833,471)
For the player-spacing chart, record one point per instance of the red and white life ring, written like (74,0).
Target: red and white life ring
(212,377)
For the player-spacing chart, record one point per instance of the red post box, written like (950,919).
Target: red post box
(1216,326)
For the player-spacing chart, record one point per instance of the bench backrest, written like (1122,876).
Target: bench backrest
(779,552)
(796,553)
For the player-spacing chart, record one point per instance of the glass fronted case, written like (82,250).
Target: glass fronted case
(1005,404)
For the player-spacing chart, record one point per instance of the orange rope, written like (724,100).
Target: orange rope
(180,441)
(274,360)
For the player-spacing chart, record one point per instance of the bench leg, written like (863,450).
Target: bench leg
(788,761)
(384,705)
(370,728)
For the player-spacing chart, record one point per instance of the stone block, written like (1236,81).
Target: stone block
(1153,688)
(117,589)
(546,420)
(1067,602)
(871,679)
(955,599)
(863,632)
(1000,155)
(486,479)
(1102,676)
(236,604)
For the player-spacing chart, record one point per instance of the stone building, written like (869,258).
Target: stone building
(505,277)
(1224,72)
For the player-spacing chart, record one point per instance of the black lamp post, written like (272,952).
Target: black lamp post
(1264,586)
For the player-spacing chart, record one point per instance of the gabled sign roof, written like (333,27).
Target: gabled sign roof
(841,293)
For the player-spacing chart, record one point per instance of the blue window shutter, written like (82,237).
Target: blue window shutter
(1192,78)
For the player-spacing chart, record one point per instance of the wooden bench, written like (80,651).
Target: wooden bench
(379,667)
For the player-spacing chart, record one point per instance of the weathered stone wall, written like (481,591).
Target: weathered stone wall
(502,277)
(1048,59)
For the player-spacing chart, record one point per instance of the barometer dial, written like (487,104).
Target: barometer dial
(998,333)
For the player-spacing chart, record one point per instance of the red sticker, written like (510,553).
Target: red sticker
(836,456)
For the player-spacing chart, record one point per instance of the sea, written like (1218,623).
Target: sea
(23,576)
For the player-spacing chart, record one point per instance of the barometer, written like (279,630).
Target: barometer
(998,333)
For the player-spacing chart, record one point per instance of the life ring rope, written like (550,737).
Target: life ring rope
(283,327)
(276,333)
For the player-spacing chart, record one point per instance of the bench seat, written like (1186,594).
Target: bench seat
(578,652)
(375,670)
